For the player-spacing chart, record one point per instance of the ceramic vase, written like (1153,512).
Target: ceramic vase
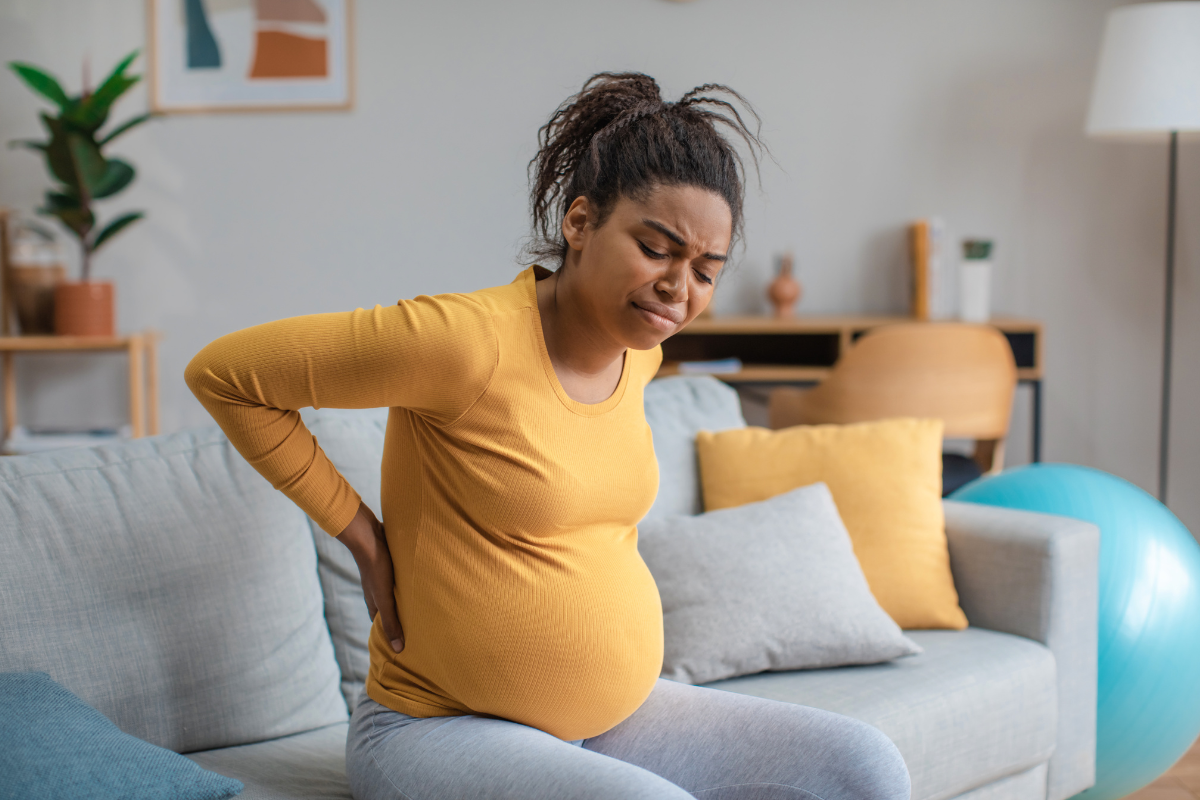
(785,291)
(84,308)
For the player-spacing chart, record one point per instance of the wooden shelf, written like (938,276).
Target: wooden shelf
(804,349)
(25,344)
(142,349)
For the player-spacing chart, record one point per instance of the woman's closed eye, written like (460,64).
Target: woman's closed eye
(652,253)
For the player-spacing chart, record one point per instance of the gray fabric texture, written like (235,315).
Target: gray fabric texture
(168,585)
(683,742)
(677,408)
(353,440)
(976,706)
(1027,785)
(1036,575)
(772,585)
(304,766)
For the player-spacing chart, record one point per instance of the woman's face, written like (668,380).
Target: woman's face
(653,264)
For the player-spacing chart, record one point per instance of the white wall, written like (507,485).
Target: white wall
(877,112)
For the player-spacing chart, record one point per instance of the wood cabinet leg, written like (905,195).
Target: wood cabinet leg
(137,387)
(10,395)
(152,382)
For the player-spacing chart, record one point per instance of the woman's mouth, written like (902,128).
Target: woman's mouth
(664,318)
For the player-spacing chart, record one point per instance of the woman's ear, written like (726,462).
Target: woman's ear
(575,222)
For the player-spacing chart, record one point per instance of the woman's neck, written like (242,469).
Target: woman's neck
(587,362)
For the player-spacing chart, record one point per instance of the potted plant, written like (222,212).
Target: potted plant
(74,154)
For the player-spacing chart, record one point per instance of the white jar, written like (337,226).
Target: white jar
(975,290)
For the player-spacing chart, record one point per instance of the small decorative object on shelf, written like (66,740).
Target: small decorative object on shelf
(35,268)
(927,245)
(975,281)
(83,174)
(785,291)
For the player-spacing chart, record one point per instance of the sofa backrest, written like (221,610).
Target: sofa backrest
(677,409)
(167,584)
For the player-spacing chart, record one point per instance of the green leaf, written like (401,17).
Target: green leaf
(117,175)
(61,201)
(41,82)
(120,68)
(93,111)
(115,227)
(58,153)
(78,220)
(90,166)
(123,127)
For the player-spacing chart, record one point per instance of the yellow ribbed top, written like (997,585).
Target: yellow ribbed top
(510,508)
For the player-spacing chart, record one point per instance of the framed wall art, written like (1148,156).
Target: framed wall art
(251,55)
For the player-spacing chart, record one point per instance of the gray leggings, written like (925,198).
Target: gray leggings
(683,742)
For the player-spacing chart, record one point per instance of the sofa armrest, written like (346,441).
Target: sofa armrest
(1037,576)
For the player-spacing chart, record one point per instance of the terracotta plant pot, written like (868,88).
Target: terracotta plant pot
(84,308)
(33,297)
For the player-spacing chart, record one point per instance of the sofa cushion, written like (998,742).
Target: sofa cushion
(353,441)
(886,477)
(168,585)
(677,408)
(974,707)
(52,744)
(772,585)
(306,766)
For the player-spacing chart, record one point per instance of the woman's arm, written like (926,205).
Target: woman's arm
(434,355)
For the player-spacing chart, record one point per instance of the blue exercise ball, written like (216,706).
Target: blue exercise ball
(1148,699)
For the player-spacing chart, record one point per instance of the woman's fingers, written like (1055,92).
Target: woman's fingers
(368,543)
(383,590)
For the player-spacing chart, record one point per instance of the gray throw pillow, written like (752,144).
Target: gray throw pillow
(772,585)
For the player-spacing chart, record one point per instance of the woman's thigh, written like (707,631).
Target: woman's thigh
(724,746)
(391,756)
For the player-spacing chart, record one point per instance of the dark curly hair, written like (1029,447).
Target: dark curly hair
(618,137)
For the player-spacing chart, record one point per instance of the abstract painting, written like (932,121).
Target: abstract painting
(250,55)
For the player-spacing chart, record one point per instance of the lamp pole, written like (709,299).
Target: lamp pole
(1168,319)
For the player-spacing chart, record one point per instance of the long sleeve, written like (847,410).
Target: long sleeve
(434,355)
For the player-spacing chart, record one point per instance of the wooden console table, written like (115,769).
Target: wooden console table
(143,371)
(804,349)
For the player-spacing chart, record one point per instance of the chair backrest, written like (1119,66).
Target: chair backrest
(962,374)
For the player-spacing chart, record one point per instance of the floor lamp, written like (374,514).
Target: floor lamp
(1148,86)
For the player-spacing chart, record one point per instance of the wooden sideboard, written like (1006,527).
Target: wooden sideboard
(802,350)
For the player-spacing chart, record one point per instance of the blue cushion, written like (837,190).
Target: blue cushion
(54,745)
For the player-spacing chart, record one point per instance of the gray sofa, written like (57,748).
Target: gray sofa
(167,584)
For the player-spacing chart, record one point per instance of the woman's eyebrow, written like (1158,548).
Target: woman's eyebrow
(676,238)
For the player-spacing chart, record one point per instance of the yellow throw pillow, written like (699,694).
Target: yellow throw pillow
(886,478)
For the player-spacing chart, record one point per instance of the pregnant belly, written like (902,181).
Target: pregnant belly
(571,646)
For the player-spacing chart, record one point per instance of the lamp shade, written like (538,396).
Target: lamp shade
(1148,78)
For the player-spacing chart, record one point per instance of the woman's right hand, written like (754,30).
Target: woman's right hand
(366,541)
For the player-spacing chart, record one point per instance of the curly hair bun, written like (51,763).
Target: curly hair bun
(618,137)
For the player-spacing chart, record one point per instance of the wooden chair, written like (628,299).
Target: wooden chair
(963,374)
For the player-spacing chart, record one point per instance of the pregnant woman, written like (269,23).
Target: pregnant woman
(518,635)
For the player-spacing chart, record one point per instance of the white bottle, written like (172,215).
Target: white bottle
(975,281)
